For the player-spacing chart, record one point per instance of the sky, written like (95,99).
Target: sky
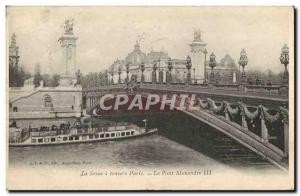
(107,33)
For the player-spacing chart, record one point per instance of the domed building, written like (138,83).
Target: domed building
(157,60)
(136,57)
(157,64)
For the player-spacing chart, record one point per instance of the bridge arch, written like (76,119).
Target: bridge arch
(251,125)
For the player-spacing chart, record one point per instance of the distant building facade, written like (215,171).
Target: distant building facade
(226,71)
(159,59)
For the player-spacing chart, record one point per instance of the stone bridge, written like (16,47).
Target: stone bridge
(257,118)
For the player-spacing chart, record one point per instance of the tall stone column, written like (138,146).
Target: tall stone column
(198,55)
(68,42)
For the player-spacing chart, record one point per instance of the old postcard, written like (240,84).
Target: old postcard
(150,98)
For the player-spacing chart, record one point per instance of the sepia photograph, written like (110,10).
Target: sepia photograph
(150,98)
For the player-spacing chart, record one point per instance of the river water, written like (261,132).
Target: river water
(153,151)
(177,145)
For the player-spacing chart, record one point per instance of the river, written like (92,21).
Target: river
(179,145)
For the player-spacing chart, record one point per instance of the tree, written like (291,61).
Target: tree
(55,80)
(37,75)
(15,77)
(21,77)
(47,80)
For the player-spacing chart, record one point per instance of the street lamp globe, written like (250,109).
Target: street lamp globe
(119,70)
(170,65)
(243,58)
(127,66)
(284,59)
(212,60)
(154,65)
(188,62)
(212,63)
(142,66)
(112,75)
(243,62)
(285,50)
(188,66)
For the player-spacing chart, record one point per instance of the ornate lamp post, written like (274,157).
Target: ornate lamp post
(119,72)
(112,75)
(95,79)
(243,62)
(100,78)
(194,75)
(106,77)
(205,72)
(154,72)
(170,67)
(142,69)
(127,72)
(269,81)
(88,82)
(160,73)
(212,64)
(188,66)
(284,59)
(257,82)
(91,79)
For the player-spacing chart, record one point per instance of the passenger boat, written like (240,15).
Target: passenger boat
(66,134)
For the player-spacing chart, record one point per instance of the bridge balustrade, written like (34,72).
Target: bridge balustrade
(269,126)
(227,87)
(274,91)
